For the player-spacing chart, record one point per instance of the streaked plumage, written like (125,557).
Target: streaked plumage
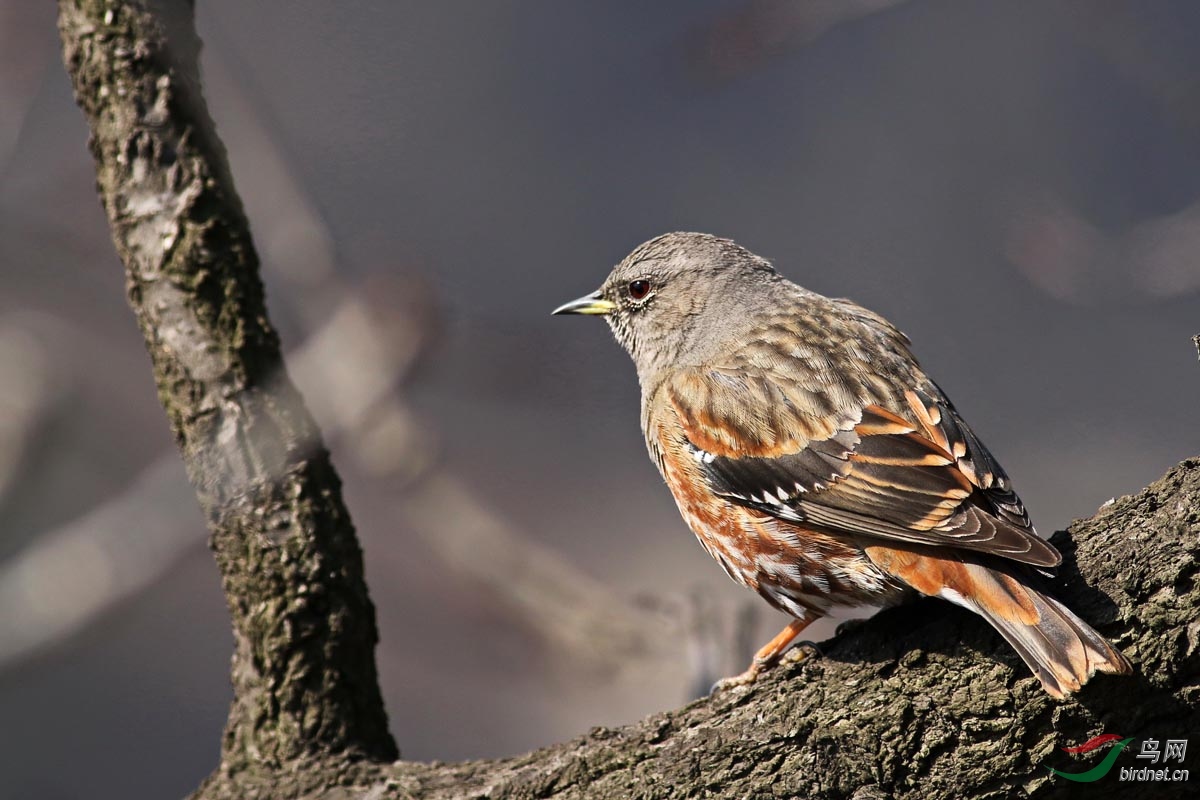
(817,462)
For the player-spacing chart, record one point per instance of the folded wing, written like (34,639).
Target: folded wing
(922,478)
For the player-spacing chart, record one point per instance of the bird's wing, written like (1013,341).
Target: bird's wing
(768,444)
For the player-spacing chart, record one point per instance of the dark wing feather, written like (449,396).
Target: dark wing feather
(929,482)
(943,425)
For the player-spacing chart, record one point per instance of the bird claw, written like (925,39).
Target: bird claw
(746,678)
(796,654)
(802,651)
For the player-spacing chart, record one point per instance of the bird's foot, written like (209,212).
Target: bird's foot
(801,651)
(744,679)
(797,653)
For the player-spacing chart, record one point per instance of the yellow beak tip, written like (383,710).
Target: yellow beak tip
(589,306)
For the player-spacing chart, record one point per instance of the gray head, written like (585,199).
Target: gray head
(674,298)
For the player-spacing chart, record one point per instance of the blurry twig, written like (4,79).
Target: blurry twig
(571,610)
(28,391)
(67,577)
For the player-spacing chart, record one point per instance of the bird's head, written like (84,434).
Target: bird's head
(677,297)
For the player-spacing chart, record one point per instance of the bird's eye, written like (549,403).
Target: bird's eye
(638,289)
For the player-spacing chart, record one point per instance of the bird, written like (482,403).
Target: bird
(816,461)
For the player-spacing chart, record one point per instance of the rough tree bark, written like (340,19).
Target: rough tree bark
(303,668)
(921,701)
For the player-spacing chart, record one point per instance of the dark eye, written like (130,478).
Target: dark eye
(638,289)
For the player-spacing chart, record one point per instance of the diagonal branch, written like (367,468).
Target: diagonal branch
(303,671)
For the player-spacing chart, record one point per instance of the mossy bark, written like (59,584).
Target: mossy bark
(303,668)
(923,701)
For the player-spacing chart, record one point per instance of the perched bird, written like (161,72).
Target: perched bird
(818,463)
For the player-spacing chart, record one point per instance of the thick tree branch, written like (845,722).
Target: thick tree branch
(921,701)
(303,670)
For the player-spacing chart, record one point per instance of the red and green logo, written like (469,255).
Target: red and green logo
(1100,770)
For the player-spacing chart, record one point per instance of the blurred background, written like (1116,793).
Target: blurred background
(1015,185)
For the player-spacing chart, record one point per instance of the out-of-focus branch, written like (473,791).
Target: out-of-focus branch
(29,390)
(304,672)
(65,578)
(573,611)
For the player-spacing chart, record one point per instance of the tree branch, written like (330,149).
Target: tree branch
(303,670)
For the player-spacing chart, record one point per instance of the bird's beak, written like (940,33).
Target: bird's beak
(592,304)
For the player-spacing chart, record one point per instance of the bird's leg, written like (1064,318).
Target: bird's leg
(767,656)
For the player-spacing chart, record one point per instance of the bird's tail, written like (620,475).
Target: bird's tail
(1062,650)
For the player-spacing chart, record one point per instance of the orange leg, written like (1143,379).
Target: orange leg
(767,656)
